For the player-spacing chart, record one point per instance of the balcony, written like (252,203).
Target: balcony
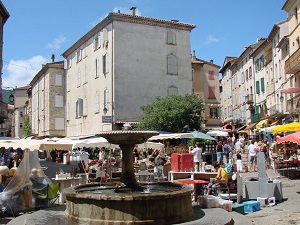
(293,104)
(274,109)
(255,118)
(249,98)
(292,64)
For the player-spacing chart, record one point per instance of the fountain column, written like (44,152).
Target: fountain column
(127,176)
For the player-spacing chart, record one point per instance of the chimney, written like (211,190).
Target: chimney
(119,11)
(211,61)
(53,58)
(132,9)
(194,55)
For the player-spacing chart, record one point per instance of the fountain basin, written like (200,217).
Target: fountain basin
(90,203)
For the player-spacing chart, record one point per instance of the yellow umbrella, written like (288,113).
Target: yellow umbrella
(290,127)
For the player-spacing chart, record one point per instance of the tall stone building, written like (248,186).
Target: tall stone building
(124,62)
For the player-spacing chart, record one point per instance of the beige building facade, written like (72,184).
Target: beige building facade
(48,101)
(206,86)
(123,63)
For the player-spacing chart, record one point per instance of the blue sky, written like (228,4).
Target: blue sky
(38,28)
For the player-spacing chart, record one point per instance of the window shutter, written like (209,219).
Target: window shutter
(84,111)
(76,57)
(80,107)
(96,68)
(100,41)
(96,103)
(257,87)
(262,83)
(65,64)
(107,63)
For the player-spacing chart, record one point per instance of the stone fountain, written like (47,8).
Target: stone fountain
(129,202)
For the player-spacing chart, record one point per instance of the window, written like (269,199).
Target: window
(211,75)
(246,72)
(21,114)
(42,103)
(84,110)
(58,80)
(21,125)
(68,83)
(85,53)
(192,74)
(96,68)
(211,93)
(250,72)
(105,64)
(262,84)
(79,55)
(59,101)
(96,103)
(85,74)
(171,38)
(213,113)
(96,42)
(59,124)
(79,107)
(257,87)
(172,90)
(172,64)
(78,78)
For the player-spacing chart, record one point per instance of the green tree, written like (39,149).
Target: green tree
(175,113)
(27,128)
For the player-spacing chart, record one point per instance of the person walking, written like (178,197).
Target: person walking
(220,150)
(226,148)
(239,162)
(252,151)
(197,153)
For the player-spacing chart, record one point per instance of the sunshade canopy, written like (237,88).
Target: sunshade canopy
(198,134)
(290,127)
(294,138)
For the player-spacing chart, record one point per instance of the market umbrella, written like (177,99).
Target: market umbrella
(198,134)
(294,138)
(217,133)
(290,127)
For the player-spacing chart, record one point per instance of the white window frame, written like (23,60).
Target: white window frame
(59,101)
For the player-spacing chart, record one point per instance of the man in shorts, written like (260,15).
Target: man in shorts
(252,151)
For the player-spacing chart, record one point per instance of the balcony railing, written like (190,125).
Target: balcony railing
(274,109)
(292,64)
(293,103)
(249,98)
(255,118)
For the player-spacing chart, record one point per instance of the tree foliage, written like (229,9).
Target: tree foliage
(175,113)
(27,128)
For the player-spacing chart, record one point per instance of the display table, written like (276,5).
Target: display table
(65,183)
(198,186)
(172,176)
(289,168)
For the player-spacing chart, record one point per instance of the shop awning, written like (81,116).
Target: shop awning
(262,123)
(290,127)
(250,126)
(290,90)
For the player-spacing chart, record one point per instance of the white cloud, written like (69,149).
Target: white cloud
(21,72)
(56,44)
(211,39)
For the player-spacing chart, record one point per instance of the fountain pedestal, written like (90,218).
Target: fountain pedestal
(129,204)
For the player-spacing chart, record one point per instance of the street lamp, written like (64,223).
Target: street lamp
(281,100)
(105,109)
(11,98)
